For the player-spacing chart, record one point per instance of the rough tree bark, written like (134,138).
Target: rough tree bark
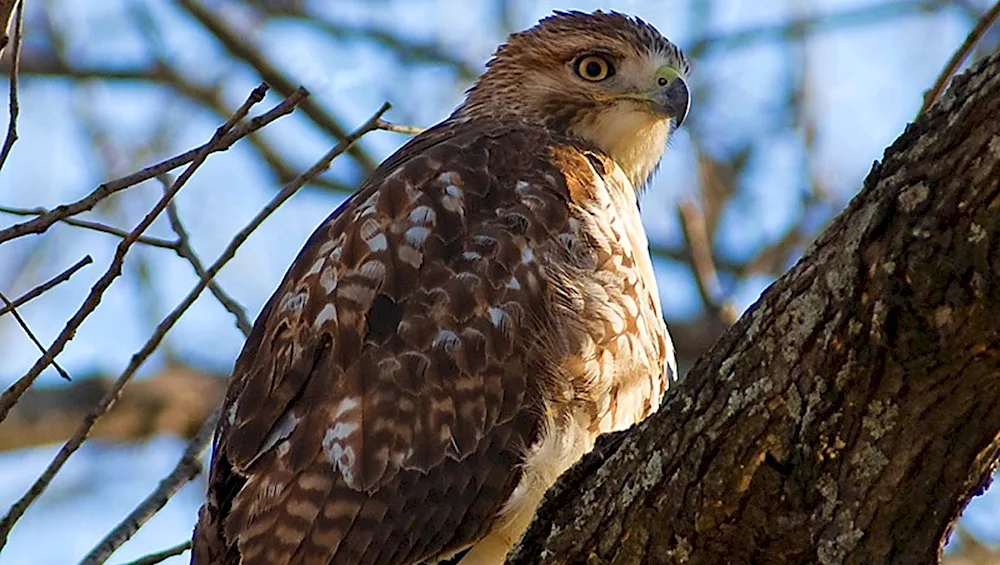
(851,414)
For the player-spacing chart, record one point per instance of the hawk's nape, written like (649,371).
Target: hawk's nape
(457,335)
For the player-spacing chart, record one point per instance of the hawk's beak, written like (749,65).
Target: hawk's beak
(673,100)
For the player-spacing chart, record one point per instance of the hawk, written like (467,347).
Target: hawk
(460,331)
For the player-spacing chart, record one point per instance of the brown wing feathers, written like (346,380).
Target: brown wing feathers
(383,399)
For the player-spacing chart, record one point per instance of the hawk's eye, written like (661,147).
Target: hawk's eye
(594,68)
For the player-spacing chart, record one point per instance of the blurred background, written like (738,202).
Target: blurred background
(792,102)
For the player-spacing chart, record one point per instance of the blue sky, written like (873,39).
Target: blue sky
(866,82)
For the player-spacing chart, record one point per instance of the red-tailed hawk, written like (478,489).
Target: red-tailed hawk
(459,332)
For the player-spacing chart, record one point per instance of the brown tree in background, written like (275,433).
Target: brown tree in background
(869,370)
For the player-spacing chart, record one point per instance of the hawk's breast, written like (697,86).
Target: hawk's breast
(610,357)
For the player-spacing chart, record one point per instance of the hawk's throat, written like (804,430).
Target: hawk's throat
(634,137)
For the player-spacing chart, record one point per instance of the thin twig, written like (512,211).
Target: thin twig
(185,471)
(8,142)
(407,50)
(162,73)
(399,128)
(702,263)
(12,394)
(31,335)
(185,250)
(344,144)
(977,33)
(160,556)
(42,223)
(211,96)
(131,524)
(95,226)
(45,287)
(237,45)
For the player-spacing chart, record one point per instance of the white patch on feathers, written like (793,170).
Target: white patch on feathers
(378,243)
(329,312)
(281,430)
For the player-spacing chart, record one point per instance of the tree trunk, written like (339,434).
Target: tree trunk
(851,413)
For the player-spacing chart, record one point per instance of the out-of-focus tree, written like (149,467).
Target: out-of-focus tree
(792,102)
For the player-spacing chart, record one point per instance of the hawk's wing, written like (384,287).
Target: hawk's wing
(381,407)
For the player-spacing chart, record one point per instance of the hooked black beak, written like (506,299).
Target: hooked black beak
(675,100)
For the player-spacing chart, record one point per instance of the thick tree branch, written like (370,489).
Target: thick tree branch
(848,416)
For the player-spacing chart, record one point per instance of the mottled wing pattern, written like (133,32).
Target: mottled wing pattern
(383,404)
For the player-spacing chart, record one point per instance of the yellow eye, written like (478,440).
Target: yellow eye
(594,68)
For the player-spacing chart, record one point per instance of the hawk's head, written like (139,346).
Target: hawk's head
(605,77)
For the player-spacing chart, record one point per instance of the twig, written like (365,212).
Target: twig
(8,142)
(160,556)
(398,128)
(12,394)
(865,15)
(977,33)
(42,223)
(131,523)
(344,144)
(406,49)
(211,97)
(164,74)
(185,250)
(45,287)
(705,274)
(31,335)
(234,42)
(184,472)
(95,226)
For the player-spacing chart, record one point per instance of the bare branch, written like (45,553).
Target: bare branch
(175,401)
(11,395)
(160,556)
(153,342)
(345,144)
(405,49)
(804,27)
(185,250)
(11,137)
(166,75)
(42,223)
(977,33)
(95,226)
(702,264)
(45,287)
(187,469)
(234,42)
(31,335)
(398,128)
